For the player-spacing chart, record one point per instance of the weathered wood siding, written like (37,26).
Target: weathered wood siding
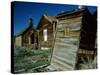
(50,37)
(69,27)
(26,38)
(66,43)
(18,41)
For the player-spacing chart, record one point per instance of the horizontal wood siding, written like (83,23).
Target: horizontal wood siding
(18,41)
(46,25)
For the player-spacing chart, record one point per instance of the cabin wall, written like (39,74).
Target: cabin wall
(27,39)
(66,42)
(89,32)
(18,41)
(42,43)
(69,26)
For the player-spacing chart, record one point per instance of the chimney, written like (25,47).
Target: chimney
(30,22)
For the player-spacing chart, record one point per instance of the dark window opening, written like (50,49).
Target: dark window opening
(32,39)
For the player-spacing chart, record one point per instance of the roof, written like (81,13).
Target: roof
(51,19)
(24,30)
(70,12)
(27,28)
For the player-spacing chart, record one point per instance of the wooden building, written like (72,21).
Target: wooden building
(67,35)
(89,30)
(46,31)
(27,37)
(69,22)
(87,55)
(71,34)
(75,40)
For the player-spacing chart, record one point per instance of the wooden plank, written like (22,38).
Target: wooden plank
(65,47)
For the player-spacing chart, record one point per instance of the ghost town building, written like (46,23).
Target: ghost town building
(43,35)
(46,29)
(27,37)
(78,23)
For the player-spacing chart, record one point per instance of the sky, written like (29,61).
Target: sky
(24,10)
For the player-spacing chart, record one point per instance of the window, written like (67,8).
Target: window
(45,34)
(32,38)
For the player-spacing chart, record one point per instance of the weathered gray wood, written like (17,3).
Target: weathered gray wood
(66,44)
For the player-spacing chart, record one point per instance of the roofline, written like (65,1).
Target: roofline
(19,34)
(46,17)
(68,14)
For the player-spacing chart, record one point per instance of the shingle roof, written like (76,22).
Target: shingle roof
(24,30)
(69,12)
(50,18)
(27,28)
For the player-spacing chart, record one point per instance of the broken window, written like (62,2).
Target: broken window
(45,34)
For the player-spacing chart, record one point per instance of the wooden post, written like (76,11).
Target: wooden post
(38,39)
(68,31)
(54,29)
(29,40)
(34,39)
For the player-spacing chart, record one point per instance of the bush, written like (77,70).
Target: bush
(28,58)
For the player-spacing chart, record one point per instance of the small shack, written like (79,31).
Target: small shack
(46,31)
(27,37)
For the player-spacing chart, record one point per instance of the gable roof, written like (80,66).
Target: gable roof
(27,28)
(51,19)
(24,30)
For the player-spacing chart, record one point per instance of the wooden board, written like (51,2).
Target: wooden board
(65,46)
